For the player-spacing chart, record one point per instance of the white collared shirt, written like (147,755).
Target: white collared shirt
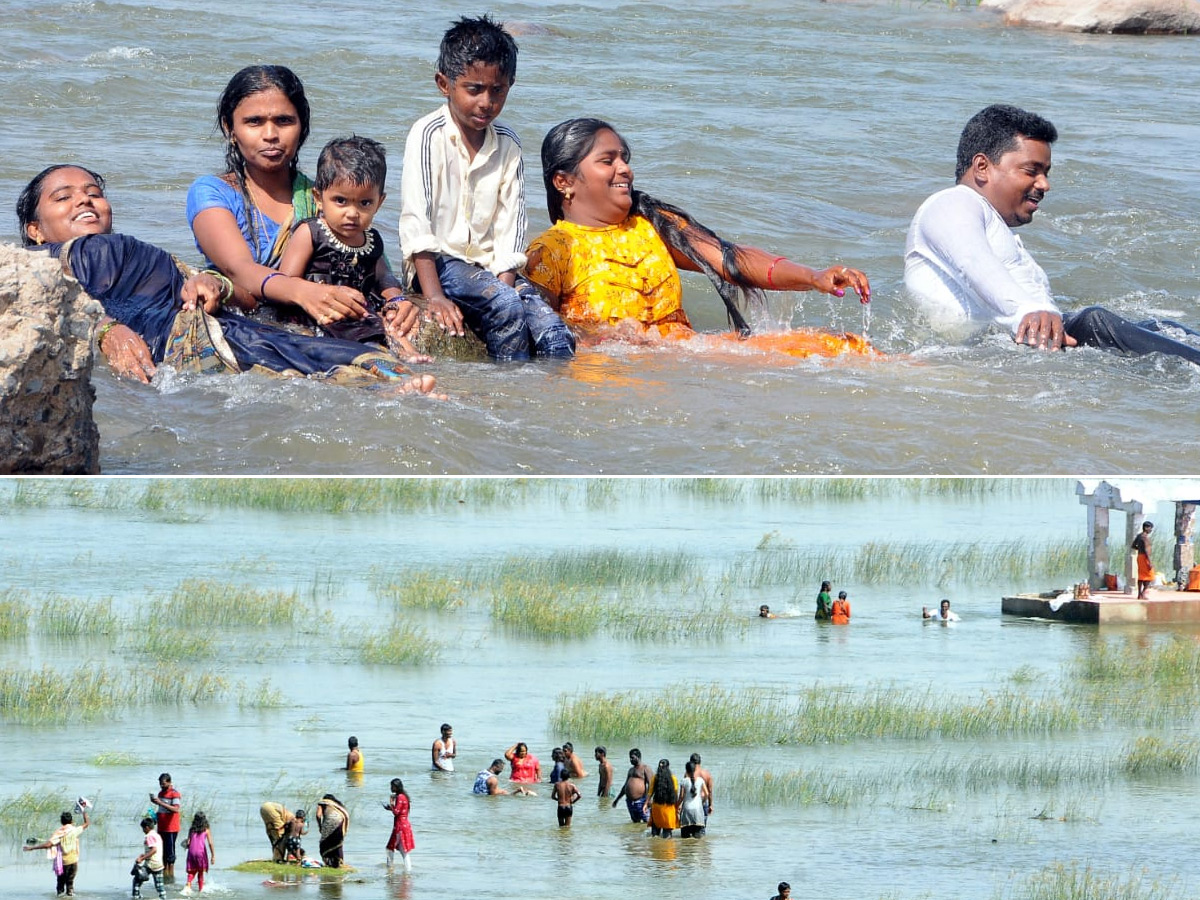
(964,264)
(473,209)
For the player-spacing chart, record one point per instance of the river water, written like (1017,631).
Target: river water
(813,128)
(916,839)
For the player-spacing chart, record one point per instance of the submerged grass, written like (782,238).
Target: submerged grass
(1063,881)
(745,717)
(32,811)
(910,562)
(400,645)
(15,613)
(547,610)
(47,695)
(418,589)
(66,617)
(115,758)
(1149,755)
(198,602)
(606,567)
(160,640)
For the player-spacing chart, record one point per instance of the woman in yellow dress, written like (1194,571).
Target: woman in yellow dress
(610,262)
(664,797)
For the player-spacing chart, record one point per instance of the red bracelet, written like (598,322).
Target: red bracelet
(771,271)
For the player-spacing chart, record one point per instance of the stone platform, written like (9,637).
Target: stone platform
(1161,607)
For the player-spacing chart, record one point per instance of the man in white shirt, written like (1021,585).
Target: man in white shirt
(963,263)
(941,614)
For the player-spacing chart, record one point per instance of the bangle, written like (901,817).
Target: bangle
(226,285)
(262,288)
(103,330)
(771,271)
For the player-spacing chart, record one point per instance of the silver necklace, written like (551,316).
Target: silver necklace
(342,247)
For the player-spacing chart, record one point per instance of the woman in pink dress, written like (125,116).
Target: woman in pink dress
(402,835)
(200,852)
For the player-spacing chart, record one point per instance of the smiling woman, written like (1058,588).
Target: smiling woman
(169,315)
(611,260)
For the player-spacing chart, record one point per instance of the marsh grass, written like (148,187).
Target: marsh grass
(46,695)
(705,623)
(605,567)
(749,716)
(197,602)
(15,613)
(798,787)
(163,641)
(263,695)
(32,813)
(115,758)
(1149,755)
(910,563)
(66,617)
(418,589)
(281,872)
(1063,881)
(547,610)
(1174,661)
(400,645)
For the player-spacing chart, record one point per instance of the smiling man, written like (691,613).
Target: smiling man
(963,263)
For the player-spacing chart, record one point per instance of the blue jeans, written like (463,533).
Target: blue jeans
(514,323)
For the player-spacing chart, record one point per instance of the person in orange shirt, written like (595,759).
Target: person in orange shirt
(839,614)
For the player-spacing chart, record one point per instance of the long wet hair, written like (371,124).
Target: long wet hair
(246,83)
(31,196)
(664,784)
(199,824)
(397,787)
(690,768)
(564,149)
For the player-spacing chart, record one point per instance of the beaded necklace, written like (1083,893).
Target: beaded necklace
(342,247)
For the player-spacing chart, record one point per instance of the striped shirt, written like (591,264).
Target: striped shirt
(472,209)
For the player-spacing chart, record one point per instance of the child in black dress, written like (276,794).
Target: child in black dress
(339,246)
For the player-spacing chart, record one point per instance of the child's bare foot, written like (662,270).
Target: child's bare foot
(422,384)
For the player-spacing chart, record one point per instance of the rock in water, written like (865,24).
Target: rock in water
(1103,16)
(46,394)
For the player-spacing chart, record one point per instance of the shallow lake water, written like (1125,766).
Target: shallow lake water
(812,128)
(916,834)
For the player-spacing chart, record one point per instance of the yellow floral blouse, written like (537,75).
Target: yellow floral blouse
(603,275)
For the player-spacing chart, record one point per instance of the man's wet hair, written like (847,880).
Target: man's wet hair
(480,40)
(994,131)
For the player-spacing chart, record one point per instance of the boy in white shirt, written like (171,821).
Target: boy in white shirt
(152,857)
(462,217)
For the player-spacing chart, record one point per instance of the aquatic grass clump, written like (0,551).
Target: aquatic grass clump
(65,617)
(262,696)
(49,696)
(1150,755)
(32,812)
(163,641)
(114,758)
(15,613)
(909,562)
(800,787)
(547,610)
(418,589)
(400,645)
(1060,881)
(1174,661)
(198,602)
(354,495)
(606,567)
(705,623)
(750,716)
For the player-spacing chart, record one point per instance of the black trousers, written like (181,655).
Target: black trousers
(1096,326)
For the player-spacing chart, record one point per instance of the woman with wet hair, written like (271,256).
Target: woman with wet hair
(610,262)
(664,799)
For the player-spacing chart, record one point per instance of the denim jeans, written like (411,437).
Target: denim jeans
(1096,326)
(514,323)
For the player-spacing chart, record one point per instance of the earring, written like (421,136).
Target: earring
(568,195)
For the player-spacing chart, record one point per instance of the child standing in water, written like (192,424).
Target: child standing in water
(340,247)
(200,852)
(402,835)
(566,794)
(462,208)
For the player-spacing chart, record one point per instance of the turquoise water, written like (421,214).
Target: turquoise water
(914,838)
(812,128)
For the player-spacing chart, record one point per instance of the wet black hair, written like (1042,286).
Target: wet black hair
(352,742)
(564,149)
(358,160)
(841,595)
(481,40)
(165,776)
(497,763)
(783,886)
(446,726)
(695,757)
(603,751)
(1146,525)
(568,746)
(146,822)
(690,768)
(826,586)
(66,819)
(246,83)
(31,196)
(397,787)
(993,131)
(664,784)
(636,752)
